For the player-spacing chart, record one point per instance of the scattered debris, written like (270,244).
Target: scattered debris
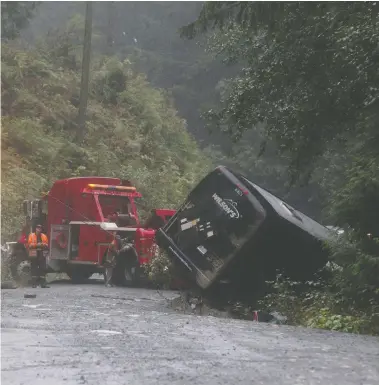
(189,303)
(111,297)
(30,295)
(120,298)
(279,319)
(274,317)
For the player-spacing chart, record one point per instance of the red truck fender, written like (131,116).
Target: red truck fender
(145,245)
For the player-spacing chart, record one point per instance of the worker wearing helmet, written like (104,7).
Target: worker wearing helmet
(110,260)
(37,243)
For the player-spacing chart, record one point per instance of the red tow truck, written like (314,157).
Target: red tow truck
(80,217)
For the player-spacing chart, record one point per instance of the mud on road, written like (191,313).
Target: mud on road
(88,334)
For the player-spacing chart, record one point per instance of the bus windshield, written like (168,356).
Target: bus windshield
(214,223)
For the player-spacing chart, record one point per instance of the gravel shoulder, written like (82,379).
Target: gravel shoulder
(88,334)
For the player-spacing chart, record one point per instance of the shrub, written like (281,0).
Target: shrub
(133,132)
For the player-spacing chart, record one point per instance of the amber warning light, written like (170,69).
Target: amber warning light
(115,188)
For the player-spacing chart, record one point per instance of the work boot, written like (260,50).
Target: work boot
(44,285)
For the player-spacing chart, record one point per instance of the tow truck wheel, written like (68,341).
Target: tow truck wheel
(20,267)
(22,272)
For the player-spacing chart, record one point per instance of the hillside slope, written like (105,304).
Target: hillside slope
(133,131)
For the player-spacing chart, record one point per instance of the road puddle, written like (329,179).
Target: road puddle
(33,306)
(102,331)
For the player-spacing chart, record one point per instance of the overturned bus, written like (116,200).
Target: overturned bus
(230,231)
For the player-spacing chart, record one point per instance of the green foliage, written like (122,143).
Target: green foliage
(160,271)
(63,46)
(318,304)
(356,202)
(15,15)
(310,76)
(325,319)
(357,279)
(133,132)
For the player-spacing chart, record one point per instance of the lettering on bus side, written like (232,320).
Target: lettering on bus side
(229,206)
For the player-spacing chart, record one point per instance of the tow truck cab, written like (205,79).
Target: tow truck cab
(231,230)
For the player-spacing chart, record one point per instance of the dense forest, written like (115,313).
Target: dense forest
(133,129)
(146,33)
(285,92)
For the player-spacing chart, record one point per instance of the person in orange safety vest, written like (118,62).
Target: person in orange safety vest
(37,243)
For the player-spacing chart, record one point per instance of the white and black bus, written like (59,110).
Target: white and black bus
(231,230)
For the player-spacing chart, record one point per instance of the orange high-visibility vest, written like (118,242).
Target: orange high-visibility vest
(32,240)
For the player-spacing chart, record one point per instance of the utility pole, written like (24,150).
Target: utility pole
(110,28)
(83,101)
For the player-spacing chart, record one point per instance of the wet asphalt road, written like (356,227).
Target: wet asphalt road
(88,334)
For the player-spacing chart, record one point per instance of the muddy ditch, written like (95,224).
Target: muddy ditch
(190,303)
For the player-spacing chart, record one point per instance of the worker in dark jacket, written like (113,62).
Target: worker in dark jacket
(111,259)
(121,252)
(37,243)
